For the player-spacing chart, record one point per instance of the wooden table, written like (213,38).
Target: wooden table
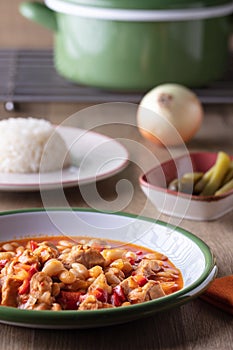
(195,325)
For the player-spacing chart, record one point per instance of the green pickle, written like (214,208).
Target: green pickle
(225,188)
(221,167)
(186,183)
(229,174)
(181,185)
(199,186)
(217,180)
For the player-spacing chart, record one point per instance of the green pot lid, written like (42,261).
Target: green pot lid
(149,4)
(143,11)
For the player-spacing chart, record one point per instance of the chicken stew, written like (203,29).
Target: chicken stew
(80,273)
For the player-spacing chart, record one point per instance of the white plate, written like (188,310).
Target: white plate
(95,157)
(190,254)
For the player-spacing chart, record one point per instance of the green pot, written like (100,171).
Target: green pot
(136,45)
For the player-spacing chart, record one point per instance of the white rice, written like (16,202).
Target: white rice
(24,142)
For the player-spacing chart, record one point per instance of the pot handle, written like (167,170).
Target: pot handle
(39,13)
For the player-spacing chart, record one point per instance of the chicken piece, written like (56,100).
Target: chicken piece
(27,257)
(127,268)
(148,268)
(88,257)
(78,285)
(41,288)
(128,285)
(56,307)
(42,306)
(154,290)
(9,268)
(71,257)
(56,288)
(90,303)
(123,265)
(114,276)
(151,290)
(93,257)
(100,283)
(46,251)
(40,293)
(10,288)
(6,256)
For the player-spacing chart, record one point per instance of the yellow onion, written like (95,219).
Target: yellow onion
(169,114)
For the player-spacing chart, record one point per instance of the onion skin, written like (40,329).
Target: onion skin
(169,115)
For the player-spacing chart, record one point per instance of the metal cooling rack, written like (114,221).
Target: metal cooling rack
(30,76)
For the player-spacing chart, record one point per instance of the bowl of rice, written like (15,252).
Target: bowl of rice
(31,145)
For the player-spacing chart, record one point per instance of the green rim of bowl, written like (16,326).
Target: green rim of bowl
(72,319)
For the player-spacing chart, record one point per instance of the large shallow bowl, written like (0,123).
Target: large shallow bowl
(154,185)
(191,255)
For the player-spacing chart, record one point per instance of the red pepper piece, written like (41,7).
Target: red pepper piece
(69,300)
(33,269)
(119,291)
(139,252)
(115,299)
(21,266)
(141,280)
(33,245)
(24,288)
(100,294)
(118,296)
(131,261)
(3,263)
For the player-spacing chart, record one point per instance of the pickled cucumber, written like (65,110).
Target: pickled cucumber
(229,174)
(186,183)
(221,167)
(216,181)
(199,186)
(224,189)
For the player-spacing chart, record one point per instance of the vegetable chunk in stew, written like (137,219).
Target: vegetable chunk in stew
(57,273)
